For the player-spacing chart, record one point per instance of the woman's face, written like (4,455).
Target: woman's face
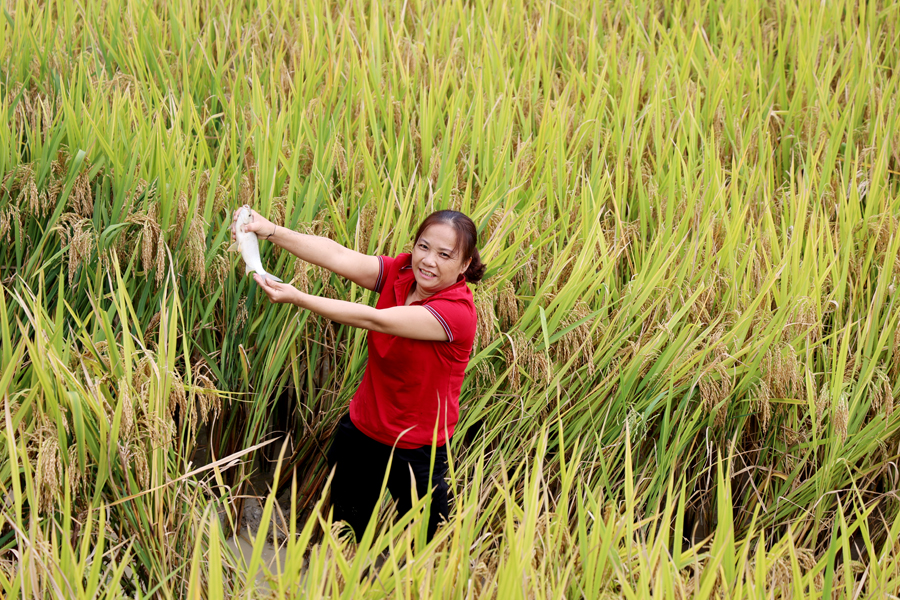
(435,263)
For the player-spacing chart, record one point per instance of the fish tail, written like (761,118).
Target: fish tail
(268,276)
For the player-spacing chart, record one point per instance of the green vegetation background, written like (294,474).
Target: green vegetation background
(688,348)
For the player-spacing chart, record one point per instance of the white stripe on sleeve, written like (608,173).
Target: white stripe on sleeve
(442,322)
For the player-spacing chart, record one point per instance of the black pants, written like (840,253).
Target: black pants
(360,463)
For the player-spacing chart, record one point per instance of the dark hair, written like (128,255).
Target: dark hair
(466,239)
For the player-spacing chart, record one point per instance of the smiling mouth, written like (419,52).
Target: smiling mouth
(427,273)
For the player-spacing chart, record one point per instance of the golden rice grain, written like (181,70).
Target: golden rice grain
(578,342)
(217,273)
(823,400)
(208,396)
(507,306)
(159,431)
(841,417)
(760,402)
(339,155)
(78,240)
(365,226)
(527,261)
(486,318)
(74,476)
(159,272)
(195,249)
(10,222)
(48,473)
(245,191)
(301,275)
(485,374)
(882,392)
(81,199)
(141,468)
(242,314)
(127,423)
(29,200)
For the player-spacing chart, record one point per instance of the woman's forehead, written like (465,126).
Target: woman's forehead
(440,234)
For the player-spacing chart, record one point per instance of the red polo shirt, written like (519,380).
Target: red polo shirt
(411,384)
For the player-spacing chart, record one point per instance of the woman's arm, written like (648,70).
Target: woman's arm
(359,268)
(415,322)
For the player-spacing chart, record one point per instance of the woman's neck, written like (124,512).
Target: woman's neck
(415,296)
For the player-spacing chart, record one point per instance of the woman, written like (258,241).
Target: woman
(420,337)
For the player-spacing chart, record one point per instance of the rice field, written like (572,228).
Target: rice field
(688,352)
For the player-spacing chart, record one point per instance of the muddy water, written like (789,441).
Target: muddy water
(272,557)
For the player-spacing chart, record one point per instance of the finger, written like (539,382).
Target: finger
(261,282)
(265,284)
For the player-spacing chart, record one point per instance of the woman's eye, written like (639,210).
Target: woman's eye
(444,255)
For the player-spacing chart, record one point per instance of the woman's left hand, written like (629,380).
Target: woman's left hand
(277,292)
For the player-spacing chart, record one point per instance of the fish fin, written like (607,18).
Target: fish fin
(273,278)
(235,247)
(247,270)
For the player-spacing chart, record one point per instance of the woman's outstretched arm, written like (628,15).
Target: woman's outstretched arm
(359,268)
(415,322)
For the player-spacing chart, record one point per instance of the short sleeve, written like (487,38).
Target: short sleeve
(384,264)
(456,316)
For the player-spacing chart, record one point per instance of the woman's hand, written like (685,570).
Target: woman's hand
(279,293)
(258,224)
(322,251)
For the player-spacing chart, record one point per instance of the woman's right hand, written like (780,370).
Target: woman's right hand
(261,226)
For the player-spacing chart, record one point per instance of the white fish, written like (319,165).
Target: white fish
(247,244)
